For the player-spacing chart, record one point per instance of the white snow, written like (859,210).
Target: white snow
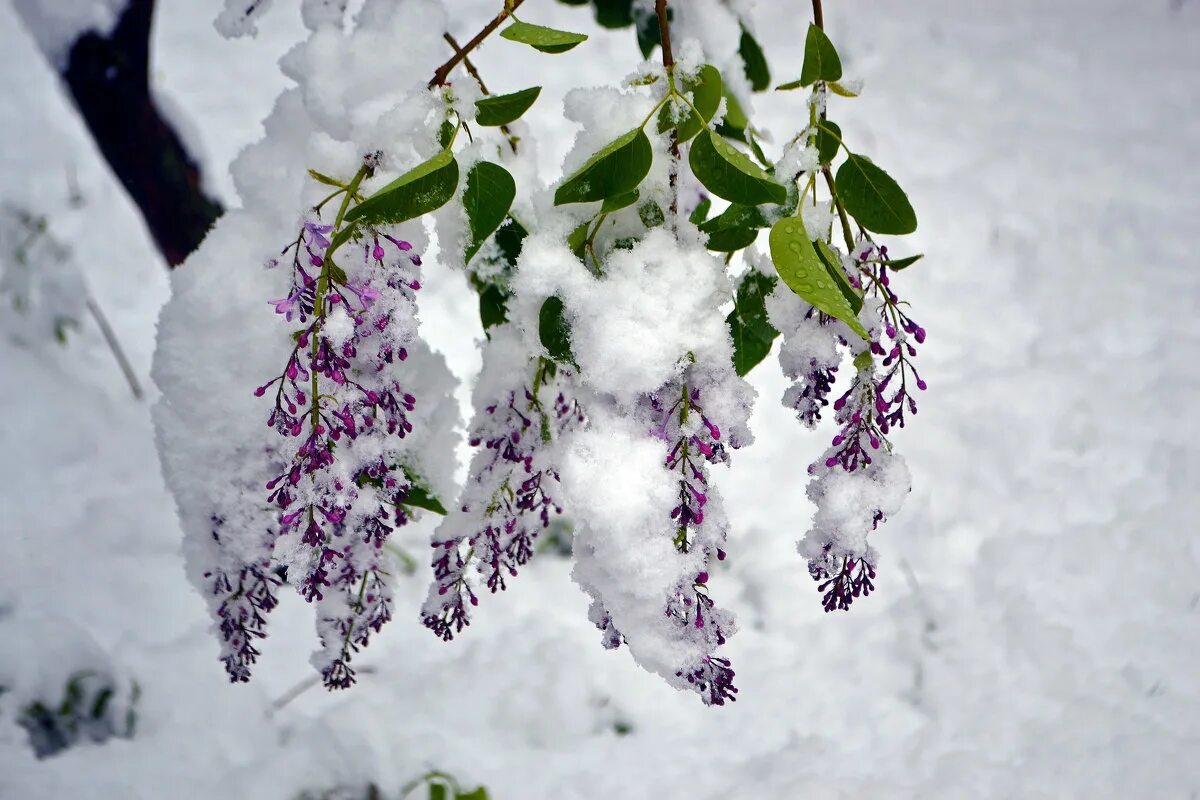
(1034,631)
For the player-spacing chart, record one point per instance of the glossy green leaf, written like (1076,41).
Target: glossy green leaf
(618,168)
(613,13)
(510,238)
(755,61)
(903,263)
(730,240)
(577,239)
(418,495)
(446,133)
(493,306)
(734,229)
(539,37)
(873,198)
(419,191)
(554,331)
(829,140)
(706,89)
(833,265)
(501,109)
(803,271)
(736,216)
(439,791)
(749,326)
(821,61)
(728,173)
(863,360)
(487,199)
(700,212)
(617,202)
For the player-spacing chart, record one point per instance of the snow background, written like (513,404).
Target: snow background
(1037,621)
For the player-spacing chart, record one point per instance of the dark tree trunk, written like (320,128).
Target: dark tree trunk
(109,79)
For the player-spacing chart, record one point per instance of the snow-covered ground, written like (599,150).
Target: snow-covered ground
(1037,621)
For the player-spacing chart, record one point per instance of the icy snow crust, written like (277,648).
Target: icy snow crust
(1034,632)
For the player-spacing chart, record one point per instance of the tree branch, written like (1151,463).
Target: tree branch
(443,72)
(818,17)
(474,73)
(668,60)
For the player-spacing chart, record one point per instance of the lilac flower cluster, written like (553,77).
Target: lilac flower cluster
(247,592)
(694,442)
(342,488)
(508,500)
(901,332)
(859,481)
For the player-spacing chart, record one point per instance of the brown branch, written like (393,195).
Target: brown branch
(443,72)
(668,60)
(818,17)
(474,73)
(664,31)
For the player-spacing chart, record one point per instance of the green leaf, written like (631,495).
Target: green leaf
(547,40)
(418,495)
(797,263)
(749,326)
(841,90)
(493,306)
(728,173)
(829,139)
(510,238)
(863,360)
(438,791)
(487,199)
(700,212)
(730,240)
(618,168)
(735,115)
(821,62)
(903,263)
(617,202)
(554,331)
(614,13)
(577,239)
(736,228)
(873,198)
(736,216)
(789,86)
(651,214)
(706,89)
(417,192)
(502,109)
(833,265)
(755,61)
(446,133)
(321,177)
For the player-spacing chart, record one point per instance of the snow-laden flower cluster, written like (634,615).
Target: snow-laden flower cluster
(859,481)
(523,406)
(663,405)
(340,408)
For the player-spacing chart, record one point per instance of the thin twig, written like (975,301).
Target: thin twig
(818,17)
(443,72)
(474,73)
(302,687)
(668,60)
(115,347)
(841,210)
